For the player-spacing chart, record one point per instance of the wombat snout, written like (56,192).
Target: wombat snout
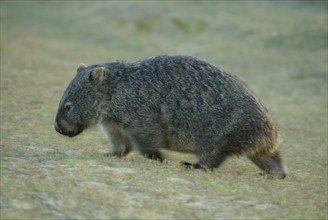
(57,128)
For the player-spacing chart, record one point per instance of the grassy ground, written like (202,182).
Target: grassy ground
(278,48)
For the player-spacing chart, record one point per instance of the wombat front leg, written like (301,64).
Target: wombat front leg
(206,161)
(118,150)
(148,148)
(118,139)
(153,155)
(270,164)
(191,165)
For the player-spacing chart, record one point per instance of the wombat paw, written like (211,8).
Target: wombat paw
(191,166)
(186,164)
(155,156)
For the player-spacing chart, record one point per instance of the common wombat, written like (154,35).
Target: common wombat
(174,102)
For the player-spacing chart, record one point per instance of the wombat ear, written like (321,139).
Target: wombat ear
(81,66)
(97,74)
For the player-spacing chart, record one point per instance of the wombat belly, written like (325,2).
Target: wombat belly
(182,146)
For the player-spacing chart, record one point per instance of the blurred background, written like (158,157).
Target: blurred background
(279,48)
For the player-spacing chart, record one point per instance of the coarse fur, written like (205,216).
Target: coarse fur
(178,103)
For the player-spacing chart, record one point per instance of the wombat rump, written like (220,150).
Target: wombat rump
(178,103)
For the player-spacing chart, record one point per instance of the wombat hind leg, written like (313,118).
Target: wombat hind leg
(270,164)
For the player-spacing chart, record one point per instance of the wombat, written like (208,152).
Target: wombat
(178,103)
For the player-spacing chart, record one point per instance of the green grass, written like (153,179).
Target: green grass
(278,48)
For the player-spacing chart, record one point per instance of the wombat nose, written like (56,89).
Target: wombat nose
(57,128)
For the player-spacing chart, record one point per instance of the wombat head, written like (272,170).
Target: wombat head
(79,107)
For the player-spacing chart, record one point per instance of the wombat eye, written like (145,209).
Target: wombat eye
(68,108)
